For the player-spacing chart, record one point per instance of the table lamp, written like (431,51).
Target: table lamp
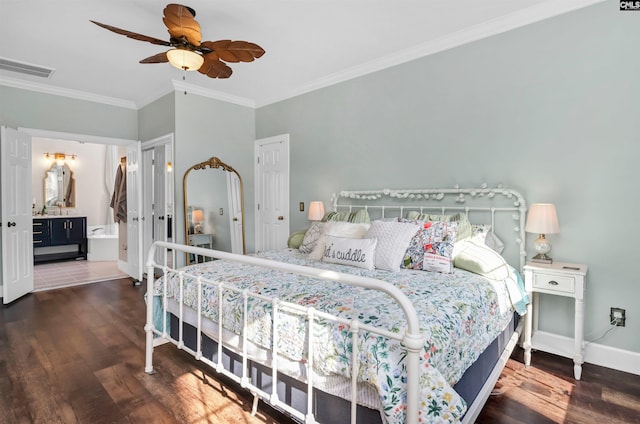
(316,211)
(542,219)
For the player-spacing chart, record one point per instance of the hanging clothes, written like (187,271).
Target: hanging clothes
(119,197)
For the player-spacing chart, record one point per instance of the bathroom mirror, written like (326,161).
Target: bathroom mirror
(213,207)
(59,186)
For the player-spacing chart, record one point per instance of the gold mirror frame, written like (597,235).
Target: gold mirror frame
(68,194)
(214,163)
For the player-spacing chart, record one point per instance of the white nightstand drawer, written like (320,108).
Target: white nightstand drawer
(556,283)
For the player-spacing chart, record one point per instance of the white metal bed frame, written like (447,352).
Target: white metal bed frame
(412,338)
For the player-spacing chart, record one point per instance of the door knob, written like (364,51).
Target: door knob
(280,218)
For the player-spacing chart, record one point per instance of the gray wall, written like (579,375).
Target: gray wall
(205,128)
(30,109)
(549,109)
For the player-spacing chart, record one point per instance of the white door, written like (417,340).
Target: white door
(147,221)
(235,213)
(15,214)
(134,209)
(159,199)
(272,192)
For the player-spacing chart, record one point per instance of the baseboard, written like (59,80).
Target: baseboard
(597,354)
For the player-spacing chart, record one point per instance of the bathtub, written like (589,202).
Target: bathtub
(102,243)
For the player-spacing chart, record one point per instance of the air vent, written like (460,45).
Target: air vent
(25,68)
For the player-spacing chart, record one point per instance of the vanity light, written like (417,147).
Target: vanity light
(59,157)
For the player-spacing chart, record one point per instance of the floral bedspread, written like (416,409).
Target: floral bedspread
(460,314)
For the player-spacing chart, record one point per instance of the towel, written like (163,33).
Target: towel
(119,197)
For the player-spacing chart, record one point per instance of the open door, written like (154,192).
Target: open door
(16,242)
(236,223)
(135,264)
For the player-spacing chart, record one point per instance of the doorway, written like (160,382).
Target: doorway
(87,188)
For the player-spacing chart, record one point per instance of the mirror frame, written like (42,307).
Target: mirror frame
(44,186)
(213,163)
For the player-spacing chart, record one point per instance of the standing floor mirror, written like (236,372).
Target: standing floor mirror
(213,208)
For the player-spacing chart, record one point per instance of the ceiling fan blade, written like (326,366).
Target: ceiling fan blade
(181,24)
(234,51)
(156,58)
(213,68)
(133,35)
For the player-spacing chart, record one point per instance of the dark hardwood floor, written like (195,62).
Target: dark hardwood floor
(77,355)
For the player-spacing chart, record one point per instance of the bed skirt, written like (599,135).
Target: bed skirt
(327,407)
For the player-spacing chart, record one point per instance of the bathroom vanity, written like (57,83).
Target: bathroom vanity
(57,238)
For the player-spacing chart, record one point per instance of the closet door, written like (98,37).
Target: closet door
(160,218)
(134,208)
(15,214)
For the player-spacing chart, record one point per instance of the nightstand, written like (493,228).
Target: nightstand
(559,279)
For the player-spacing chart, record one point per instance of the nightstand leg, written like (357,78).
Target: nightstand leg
(578,339)
(528,319)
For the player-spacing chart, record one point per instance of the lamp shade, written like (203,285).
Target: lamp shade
(316,211)
(197,215)
(185,59)
(542,219)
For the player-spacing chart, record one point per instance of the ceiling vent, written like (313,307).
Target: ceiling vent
(25,68)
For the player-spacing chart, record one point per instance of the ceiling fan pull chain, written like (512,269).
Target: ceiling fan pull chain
(184,78)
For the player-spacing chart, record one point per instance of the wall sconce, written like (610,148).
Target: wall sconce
(169,167)
(542,219)
(316,211)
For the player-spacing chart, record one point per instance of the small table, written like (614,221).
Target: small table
(559,279)
(200,240)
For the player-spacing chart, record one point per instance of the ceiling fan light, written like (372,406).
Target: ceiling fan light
(185,59)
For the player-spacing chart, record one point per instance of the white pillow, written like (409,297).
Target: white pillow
(350,251)
(479,258)
(393,240)
(338,229)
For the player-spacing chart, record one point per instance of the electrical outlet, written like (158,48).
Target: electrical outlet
(301,207)
(617,317)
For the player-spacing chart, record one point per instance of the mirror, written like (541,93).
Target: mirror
(59,186)
(213,208)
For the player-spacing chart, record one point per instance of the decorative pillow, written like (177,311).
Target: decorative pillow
(349,251)
(464,226)
(494,242)
(431,248)
(480,259)
(393,239)
(338,229)
(311,237)
(295,239)
(483,234)
(360,217)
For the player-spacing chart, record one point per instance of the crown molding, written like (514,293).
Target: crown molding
(520,18)
(212,94)
(65,92)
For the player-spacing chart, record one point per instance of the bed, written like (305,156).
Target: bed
(347,330)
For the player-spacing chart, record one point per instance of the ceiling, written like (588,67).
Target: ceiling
(309,44)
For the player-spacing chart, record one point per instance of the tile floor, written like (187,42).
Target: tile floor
(71,273)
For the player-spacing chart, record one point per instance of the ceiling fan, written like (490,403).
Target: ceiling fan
(187,51)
